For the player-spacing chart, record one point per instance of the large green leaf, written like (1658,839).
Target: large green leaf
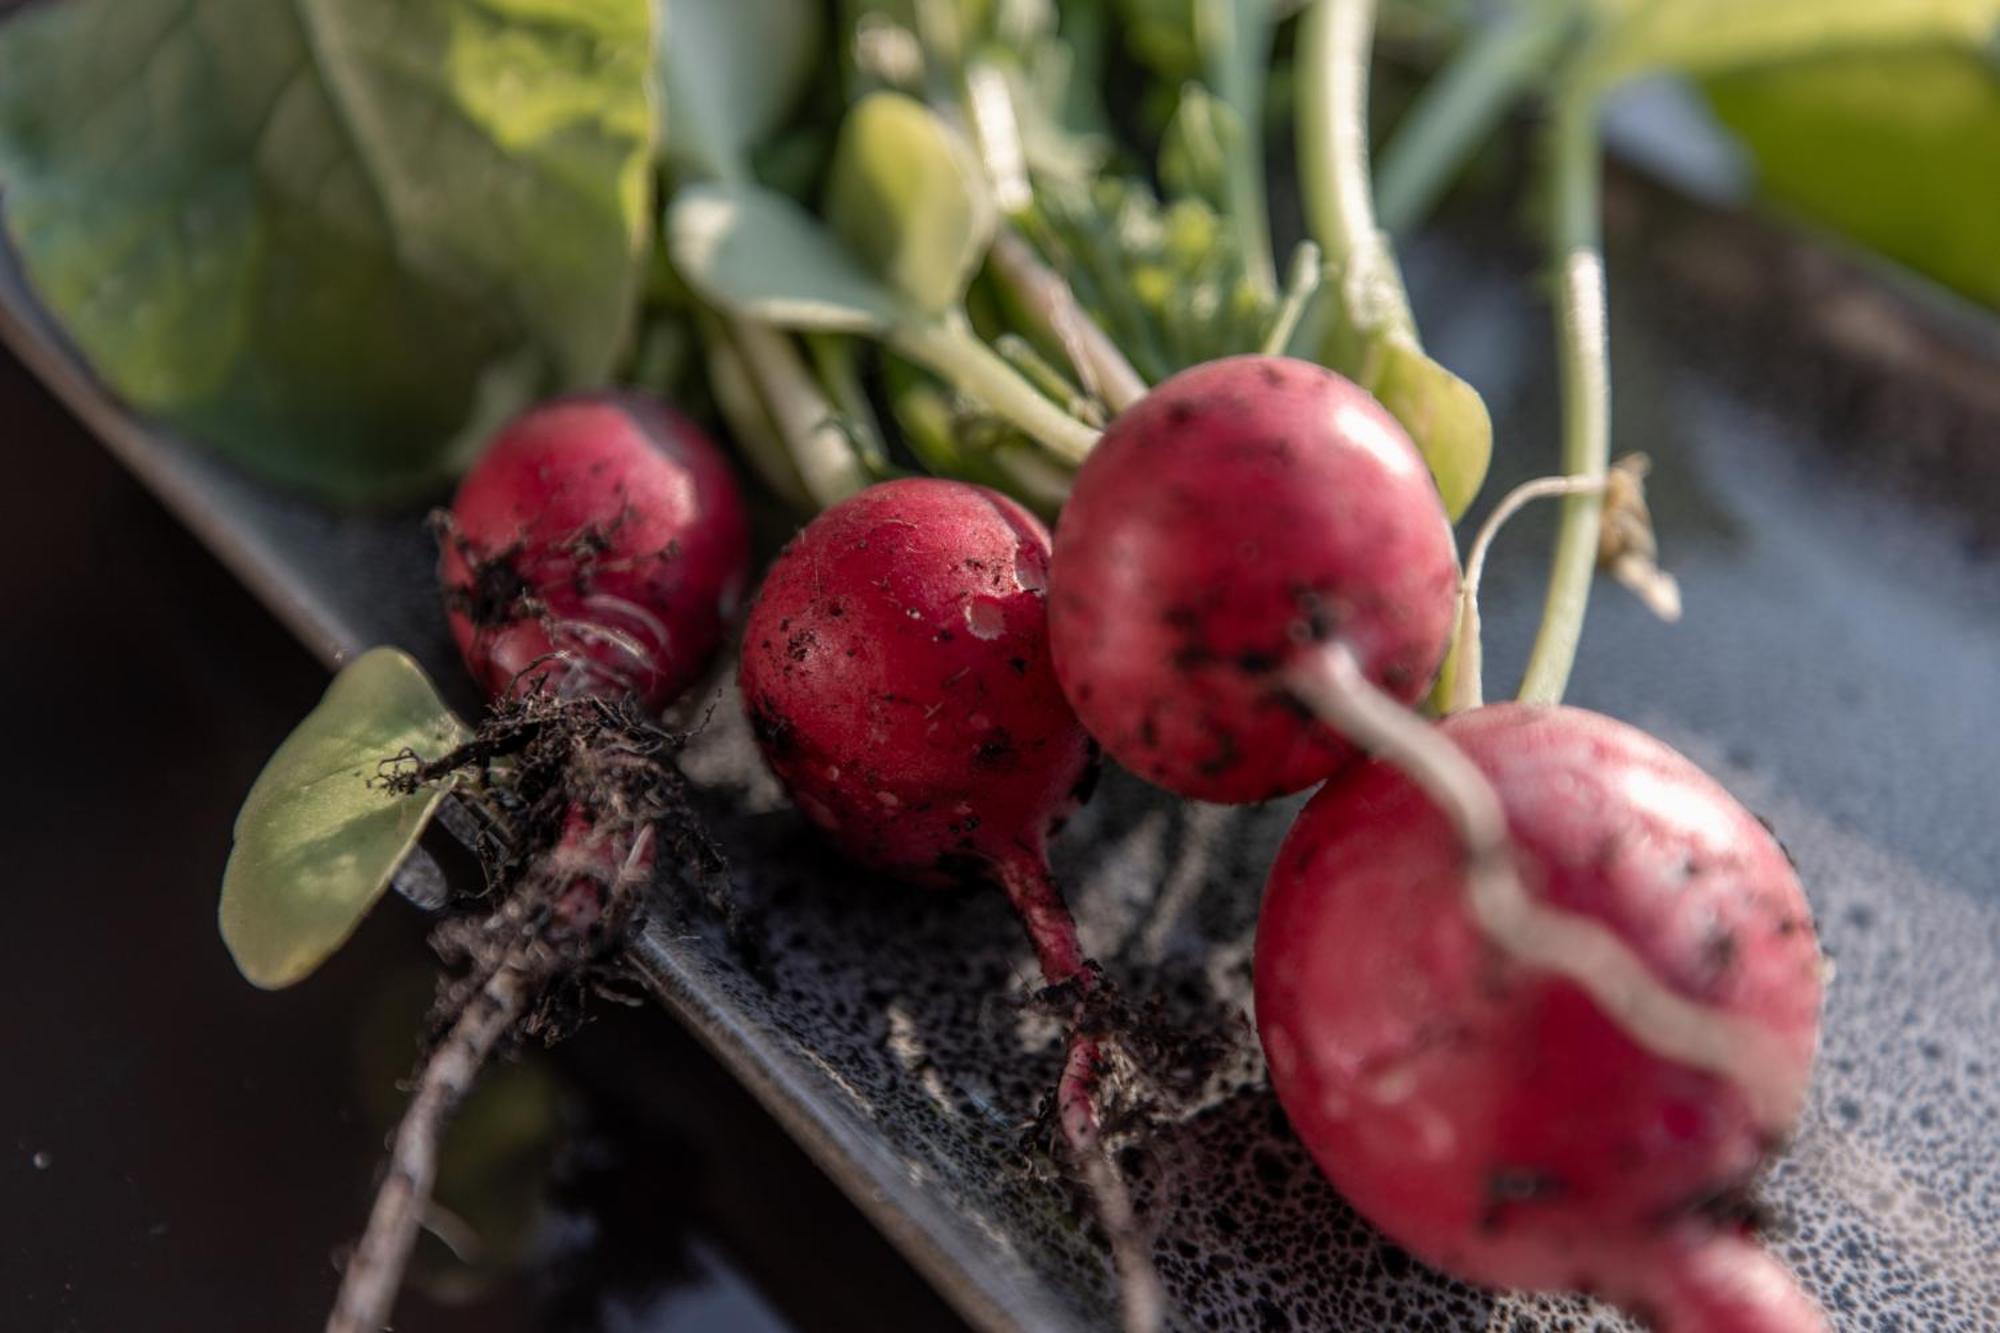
(909,198)
(732,68)
(322,234)
(759,255)
(320,834)
(1899,150)
(1709,36)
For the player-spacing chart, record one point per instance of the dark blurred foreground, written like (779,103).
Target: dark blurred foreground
(182,1151)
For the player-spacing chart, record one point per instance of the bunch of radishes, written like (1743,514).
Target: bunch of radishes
(1538,996)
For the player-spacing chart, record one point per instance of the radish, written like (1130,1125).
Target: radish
(598,547)
(1243,514)
(1555,1080)
(591,561)
(896,673)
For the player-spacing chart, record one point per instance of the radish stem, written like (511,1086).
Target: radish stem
(1467,691)
(1461,106)
(825,458)
(949,347)
(1583,360)
(1234,37)
(1103,369)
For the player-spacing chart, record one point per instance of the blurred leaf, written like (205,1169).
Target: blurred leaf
(1445,416)
(1195,152)
(314,235)
(732,69)
(1710,36)
(1161,35)
(909,198)
(761,256)
(1899,150)
(319,835)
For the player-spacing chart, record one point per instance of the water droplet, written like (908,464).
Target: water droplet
(985,618)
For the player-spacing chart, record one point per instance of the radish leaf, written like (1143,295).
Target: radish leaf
(909,199)
(320,833)
(759,255)
(319,236)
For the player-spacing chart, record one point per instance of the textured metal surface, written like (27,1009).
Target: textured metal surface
(1837,669)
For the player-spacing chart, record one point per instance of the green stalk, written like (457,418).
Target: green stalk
(833,359)
(821,450)
(1235,37)
(1459,108)
(949,347)
(1334,44)
(1583,362)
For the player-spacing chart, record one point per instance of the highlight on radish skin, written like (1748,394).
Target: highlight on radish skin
(1245,510)
(896,674)
(598,547)
(1490,1114)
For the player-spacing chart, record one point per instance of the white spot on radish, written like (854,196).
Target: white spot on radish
(1393,1085)
(889,800)
(980,722)
(962,809)
(1029,575)
(1278,1048)
(985,618)
(833,772)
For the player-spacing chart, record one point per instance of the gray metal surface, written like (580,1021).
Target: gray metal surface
(1837,668)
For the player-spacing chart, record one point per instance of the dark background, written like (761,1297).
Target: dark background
(182,1151)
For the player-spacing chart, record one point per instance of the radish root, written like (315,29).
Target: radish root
(368,1290)
(1052,932)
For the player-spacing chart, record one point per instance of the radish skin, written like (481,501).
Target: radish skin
(1486,1111)
(1245,510)
(598,547)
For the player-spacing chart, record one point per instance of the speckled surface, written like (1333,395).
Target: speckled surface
(1837,669)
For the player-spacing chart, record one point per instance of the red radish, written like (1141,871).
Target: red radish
(1240,512)
(599,546)
(896,671)
(1557,1092)
(596,550)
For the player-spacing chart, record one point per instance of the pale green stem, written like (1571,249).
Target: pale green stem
(1334,41)
(1308,270)
(1467,689)
(833,358)
(1583,361)
(821,451)
(1053,305)
(1019,353)
(1236,52)
(1460,107)
(1334,45)
(948,346)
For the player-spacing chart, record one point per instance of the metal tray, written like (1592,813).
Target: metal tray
(1838,668)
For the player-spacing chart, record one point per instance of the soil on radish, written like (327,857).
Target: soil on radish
(532,766)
